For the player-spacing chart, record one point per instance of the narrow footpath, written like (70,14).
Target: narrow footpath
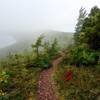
(46,87)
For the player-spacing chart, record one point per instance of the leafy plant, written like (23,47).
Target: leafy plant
(45,54)
(85,84)
(83,56)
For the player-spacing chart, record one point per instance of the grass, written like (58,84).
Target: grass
(85,84)
(21,83)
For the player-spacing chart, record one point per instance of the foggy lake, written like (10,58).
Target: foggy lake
(6,40)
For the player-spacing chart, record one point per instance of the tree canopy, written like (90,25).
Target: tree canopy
(90,31)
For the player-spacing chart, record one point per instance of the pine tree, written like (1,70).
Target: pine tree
(91,28)
(37,45)
(79,25)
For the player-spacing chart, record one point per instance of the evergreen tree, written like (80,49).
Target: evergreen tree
(78,28)
(37,45)
(91,28)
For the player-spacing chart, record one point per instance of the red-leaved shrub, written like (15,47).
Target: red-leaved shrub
(68,75)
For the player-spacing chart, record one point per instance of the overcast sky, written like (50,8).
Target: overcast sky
(31,15)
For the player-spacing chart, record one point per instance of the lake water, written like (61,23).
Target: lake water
(6,40)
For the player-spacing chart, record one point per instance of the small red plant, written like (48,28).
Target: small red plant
(68,75)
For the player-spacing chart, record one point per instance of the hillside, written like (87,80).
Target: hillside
(24,41)
(64,38)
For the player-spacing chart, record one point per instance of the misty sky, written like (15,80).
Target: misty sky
(6,40)
(31,15)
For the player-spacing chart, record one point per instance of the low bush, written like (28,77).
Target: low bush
(18,82)
(83,56)
(84,83)
(44,53)
(43,62)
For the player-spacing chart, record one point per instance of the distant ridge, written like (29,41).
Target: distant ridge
(24,41)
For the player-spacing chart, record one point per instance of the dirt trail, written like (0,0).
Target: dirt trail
(46,88)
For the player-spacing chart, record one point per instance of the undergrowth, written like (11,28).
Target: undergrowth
(84,85)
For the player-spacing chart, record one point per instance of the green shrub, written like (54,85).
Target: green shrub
(83,56)
(18,83)
(85,84)
(45,53)
(42,62)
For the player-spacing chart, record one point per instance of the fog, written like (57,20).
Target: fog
(6,40)
(18,16)
(23,18)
